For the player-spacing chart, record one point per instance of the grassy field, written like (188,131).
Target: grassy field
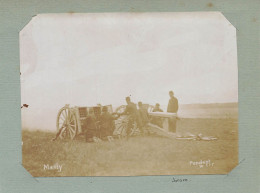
(140,155)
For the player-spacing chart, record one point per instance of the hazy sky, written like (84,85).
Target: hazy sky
(85,59)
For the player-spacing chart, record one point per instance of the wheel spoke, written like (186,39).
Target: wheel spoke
(62,132)
(62,122)
(64,115)
(70,130)
(67,113)
(73,131)
(120,126)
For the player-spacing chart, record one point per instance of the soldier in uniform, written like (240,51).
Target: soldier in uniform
(144,116)
(131,111)
(173,107)
(107,123)
(91,128)
(157,120)
(157,108)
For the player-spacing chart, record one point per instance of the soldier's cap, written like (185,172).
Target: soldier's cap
(127,98)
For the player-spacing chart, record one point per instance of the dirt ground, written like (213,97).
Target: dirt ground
(140,155)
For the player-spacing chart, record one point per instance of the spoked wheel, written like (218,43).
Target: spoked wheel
(122,123)
(121,126)
(135,130)
(66,123)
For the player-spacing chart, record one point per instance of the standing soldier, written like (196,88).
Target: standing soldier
(144,116)
(131,111)
(172,108)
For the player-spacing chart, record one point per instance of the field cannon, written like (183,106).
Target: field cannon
(71,121)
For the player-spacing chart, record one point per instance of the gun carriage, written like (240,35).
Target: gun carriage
(71,121)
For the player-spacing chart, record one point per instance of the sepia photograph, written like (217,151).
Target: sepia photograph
(129,94)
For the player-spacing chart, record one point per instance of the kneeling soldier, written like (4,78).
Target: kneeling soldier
(107,124)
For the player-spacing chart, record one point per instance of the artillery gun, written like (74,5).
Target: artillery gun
(71,121)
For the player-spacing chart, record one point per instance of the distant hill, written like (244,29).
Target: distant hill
(209,105)
(212,110)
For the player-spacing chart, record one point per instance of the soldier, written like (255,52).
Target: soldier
(173,107)
(131,111)
(157,120)
(107,123)
(157,108)
(144,116)
(91,128)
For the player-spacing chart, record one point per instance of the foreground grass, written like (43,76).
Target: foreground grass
(148,155)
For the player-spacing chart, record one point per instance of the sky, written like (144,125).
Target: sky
(86,59)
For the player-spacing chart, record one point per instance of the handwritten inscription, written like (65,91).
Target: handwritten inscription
(179,180)
(55,167)
(202,163)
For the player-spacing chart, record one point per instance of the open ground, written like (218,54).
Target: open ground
(140,155)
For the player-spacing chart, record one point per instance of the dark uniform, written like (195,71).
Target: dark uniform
(173,107)
(91,128)
(107,124)
(157,110)
(144,116)
(132,112)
